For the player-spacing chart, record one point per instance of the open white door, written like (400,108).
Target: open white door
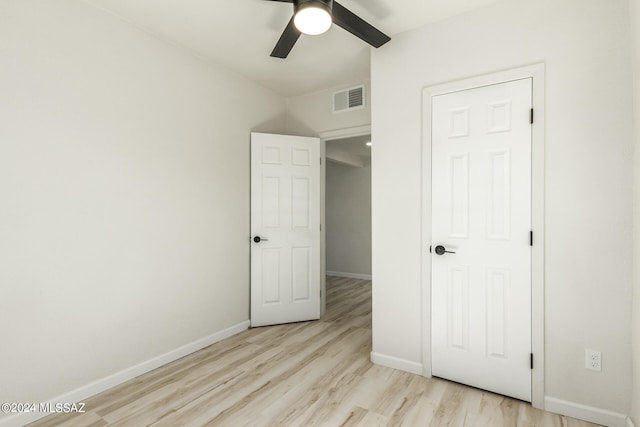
(285,229)
(481,224)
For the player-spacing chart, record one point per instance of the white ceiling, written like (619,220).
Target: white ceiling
(240,34)
(355,145)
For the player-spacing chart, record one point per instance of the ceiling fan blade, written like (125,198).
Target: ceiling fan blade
(357,26)
(289,37)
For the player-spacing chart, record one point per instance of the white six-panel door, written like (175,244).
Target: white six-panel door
(285,218)
(481,210)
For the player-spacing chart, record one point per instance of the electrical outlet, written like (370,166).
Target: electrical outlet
(593,360)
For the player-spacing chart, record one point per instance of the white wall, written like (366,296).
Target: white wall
(311,114)
(348,219)
(588,173)
(635,38)
(124,182)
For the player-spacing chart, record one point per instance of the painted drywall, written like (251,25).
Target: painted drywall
(588,171)
(348,219)
(124,175)
(312,114)
(634,12)
(335,154)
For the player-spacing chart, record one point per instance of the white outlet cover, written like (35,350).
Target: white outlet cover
(593,360)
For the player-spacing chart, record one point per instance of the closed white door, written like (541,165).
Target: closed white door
(481,224)
(285,229)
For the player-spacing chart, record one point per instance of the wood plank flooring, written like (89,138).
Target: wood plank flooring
(303,374)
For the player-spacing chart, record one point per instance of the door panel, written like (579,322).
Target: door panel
(481,211)
(285,214)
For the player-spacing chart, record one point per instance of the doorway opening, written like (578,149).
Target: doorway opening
(348,207)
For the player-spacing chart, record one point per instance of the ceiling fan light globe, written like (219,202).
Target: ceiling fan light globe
(312,20)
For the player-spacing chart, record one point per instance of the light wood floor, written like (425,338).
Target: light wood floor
(303,374)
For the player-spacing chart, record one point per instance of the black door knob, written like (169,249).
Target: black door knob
(259,239)
(441,250)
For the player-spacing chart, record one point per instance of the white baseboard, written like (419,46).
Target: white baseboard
(586,413)
(89,390)
(396,363)
(349,275)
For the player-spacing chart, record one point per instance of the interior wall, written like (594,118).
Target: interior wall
(348,219)
(124,174)
(588,172)
(311,114)
(635,39)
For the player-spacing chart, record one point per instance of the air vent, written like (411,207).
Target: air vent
(348,99)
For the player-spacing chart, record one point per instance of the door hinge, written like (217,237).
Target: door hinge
(531,238)
(429,249)
(320,160)
(531,360)
(531,117)
(320,227)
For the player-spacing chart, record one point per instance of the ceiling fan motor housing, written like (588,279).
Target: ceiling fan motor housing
(313,17)
(322,4)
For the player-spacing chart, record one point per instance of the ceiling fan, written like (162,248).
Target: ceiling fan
(316,16)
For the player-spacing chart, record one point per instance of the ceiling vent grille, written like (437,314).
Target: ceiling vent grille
(348,99)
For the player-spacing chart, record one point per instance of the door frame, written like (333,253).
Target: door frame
(537,73)
(324,137)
